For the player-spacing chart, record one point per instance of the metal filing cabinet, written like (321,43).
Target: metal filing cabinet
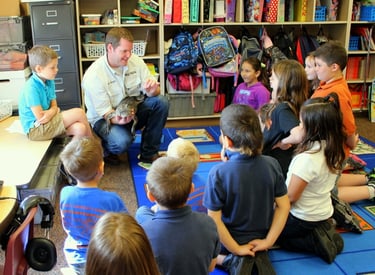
(53,24)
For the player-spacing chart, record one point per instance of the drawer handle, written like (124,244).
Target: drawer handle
(55,47)
(59,91)
(52,23)
(59,80)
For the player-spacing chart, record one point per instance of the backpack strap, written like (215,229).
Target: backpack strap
(192,91)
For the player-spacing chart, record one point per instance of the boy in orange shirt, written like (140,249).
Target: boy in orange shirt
(330,61)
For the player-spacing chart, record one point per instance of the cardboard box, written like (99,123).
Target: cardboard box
(180,104)
(13,8)
(11,83)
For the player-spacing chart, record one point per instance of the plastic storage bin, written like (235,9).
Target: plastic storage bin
(180,105)
(139,47)
(367,13)
(15,29)
(11,83)
(354,43)
(94,49)
(5,109)
(98,49)
(320,13)
(91,19)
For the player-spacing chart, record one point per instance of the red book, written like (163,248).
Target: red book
(177,11)
(270,11)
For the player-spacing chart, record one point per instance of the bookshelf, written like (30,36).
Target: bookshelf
(162,30)
(92,11)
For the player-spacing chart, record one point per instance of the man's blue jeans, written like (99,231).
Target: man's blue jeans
(152,115)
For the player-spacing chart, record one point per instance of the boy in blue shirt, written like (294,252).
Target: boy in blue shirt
(246,194)
(83,204)
(39,113)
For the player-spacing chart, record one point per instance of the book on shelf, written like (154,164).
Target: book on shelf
(208,11)
(230,10)
(185,12)
(177,11)
(270,11)
(289,10)
(219,13)
(194,11)
(352,67)
(300,10)
(253,10)
(332,8)
(281,11)
(168,7)
(366,39)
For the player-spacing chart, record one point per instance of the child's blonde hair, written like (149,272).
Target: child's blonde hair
(185,149)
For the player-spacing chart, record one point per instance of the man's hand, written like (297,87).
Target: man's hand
(151,87)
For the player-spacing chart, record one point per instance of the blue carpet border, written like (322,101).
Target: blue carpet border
(359,251)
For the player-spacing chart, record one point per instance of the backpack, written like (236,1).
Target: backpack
(305,45)
(215,46)
(249,47)
(229,69)
(182,55)
(284,43)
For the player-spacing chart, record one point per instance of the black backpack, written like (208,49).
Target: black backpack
(285,44)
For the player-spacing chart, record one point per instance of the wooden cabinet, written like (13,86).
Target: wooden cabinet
(144,32)
(340,29)
(361,59)
(53,24)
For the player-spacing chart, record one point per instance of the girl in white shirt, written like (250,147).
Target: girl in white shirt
(311,177)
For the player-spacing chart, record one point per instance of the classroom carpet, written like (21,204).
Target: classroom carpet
(358,256)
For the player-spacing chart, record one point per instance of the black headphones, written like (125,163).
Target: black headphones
(40,253)
(45,205)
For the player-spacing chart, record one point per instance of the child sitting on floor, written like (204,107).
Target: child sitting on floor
(175,231)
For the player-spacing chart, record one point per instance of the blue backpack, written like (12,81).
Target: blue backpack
(182,55)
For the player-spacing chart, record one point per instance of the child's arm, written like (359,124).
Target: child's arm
(226,239)
(295,188)
(352,141)
(43,116)
(280,216)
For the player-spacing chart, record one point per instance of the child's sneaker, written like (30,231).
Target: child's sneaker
(354,163)
(238,265)
(325,244)
(343,215)
(371,176)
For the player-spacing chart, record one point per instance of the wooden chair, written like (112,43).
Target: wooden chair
(15,260)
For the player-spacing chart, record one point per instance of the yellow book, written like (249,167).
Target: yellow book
(185,12)
(300,10)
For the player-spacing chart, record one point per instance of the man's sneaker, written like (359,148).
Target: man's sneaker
(112,160)
(324,247)
(343,215)
(150,159)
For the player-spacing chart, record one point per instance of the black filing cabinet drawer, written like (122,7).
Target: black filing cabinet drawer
(66,89)
(66,50)
(52,21)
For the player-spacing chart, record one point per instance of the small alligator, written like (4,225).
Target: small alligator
(126,107)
